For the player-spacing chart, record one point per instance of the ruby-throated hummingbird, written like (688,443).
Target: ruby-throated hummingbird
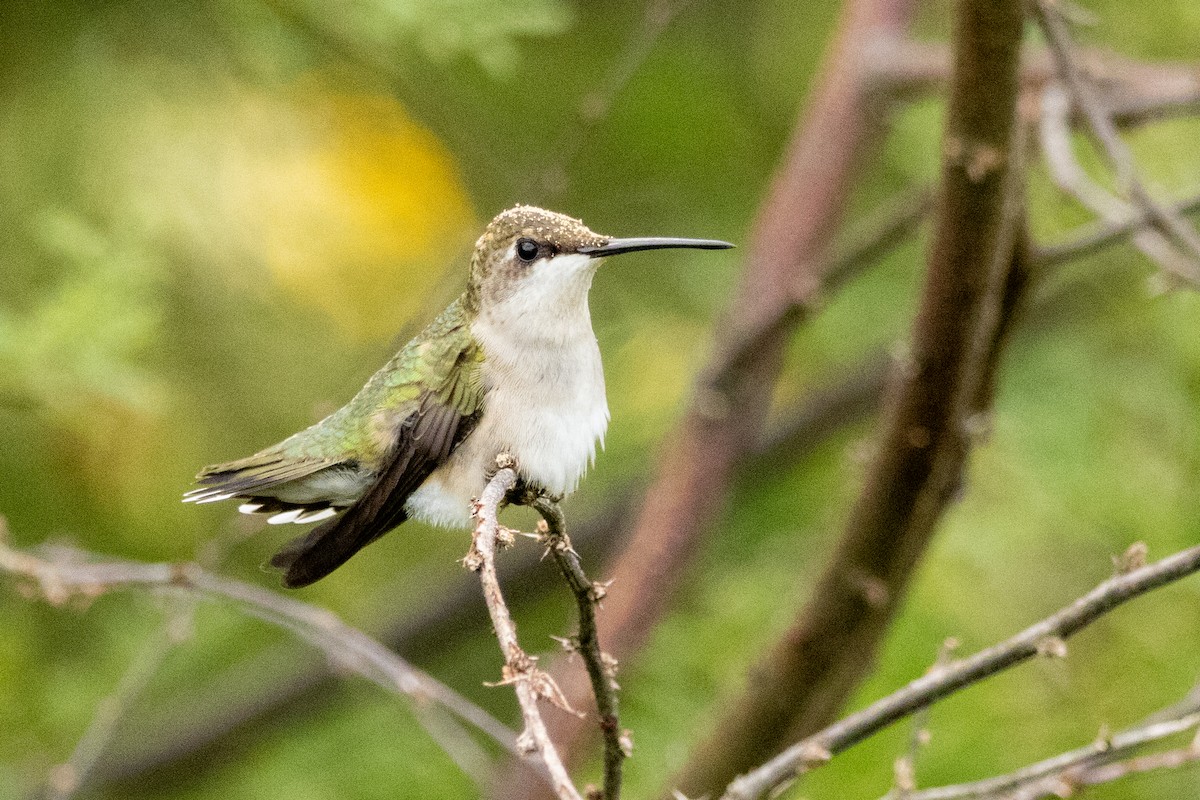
(511,366)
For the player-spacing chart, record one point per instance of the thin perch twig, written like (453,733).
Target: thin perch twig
(520,669)
(601,667)
(1043,638)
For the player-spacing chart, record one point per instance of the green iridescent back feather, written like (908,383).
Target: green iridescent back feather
(443,360)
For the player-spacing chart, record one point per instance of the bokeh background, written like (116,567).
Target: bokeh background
(220,217)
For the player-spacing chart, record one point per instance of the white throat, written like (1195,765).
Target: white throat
(548,302)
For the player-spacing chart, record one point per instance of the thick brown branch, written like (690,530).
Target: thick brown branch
(804,681)
(1043,638)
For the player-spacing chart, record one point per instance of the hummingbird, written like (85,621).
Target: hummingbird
(511,366)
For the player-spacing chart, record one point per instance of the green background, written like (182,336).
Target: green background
(220,217)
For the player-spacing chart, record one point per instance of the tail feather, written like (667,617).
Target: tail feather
(310,557)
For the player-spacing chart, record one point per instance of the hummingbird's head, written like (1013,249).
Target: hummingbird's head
(531,260)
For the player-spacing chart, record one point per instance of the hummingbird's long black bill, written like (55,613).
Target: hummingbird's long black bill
(615,247)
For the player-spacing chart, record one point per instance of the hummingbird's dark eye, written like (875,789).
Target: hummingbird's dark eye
(527,250)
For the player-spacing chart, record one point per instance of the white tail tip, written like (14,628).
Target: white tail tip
(215,498)
(198,496)
(316,516)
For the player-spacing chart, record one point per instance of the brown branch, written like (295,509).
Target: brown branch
(1104,130)
(69,573)
(1045,638)
(1135,92)
(520,669)
(804,681)
(601,667)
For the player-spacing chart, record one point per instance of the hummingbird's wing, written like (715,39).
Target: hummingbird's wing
(445,412)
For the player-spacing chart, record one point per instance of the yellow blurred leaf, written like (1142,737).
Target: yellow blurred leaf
(358,210)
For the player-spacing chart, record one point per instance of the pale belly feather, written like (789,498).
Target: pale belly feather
(545,406)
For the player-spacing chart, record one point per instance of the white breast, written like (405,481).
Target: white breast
(544,405)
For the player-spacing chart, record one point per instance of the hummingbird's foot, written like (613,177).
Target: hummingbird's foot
(503,461)
(523,492)
(532,495)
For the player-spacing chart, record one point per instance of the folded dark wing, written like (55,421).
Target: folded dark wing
(423,441)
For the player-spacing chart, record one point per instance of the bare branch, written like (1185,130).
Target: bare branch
(1072,178)
(520,669)
(1104,129)
(1093,238)
(1043,638)
(68,573)
(601,667)
(1085,765)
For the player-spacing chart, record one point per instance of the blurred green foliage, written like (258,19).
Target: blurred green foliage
(220,217)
